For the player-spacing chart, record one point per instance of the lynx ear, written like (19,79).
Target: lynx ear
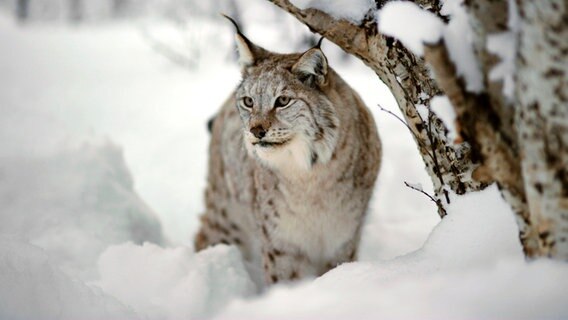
(249,53)
(246,57)
(312,67)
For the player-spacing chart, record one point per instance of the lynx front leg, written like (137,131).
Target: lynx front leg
(348,253)
(218,228)
(281,261)
(283,266)
(289,265)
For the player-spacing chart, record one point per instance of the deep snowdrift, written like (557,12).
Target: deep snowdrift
(74,205)
(33,287)
(174,283)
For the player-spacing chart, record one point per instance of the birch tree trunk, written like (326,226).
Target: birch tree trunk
(520,143)
(542,120)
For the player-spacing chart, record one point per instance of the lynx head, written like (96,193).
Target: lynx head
(289,120)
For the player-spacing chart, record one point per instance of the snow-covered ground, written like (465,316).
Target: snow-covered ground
(103,147)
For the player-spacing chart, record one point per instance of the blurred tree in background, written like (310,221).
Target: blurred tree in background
(22,9)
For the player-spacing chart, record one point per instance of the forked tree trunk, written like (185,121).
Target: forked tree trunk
(520,145)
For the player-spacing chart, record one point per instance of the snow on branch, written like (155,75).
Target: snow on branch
(410,24)
(415,27)
(445,111)
(458,37)
(504,46)
(403,72)
(350,10)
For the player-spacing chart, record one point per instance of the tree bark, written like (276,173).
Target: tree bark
(521,143)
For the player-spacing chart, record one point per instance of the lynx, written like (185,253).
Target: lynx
(293,160)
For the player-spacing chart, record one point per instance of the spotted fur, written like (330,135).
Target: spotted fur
(290,185)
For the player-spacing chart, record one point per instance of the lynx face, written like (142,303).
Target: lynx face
(287,119)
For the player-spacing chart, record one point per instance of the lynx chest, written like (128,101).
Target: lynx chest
(316,216)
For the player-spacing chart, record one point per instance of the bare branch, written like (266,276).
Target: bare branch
(438,203)
(417,138)
(399,119)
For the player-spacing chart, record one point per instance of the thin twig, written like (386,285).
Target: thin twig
(432,154)
(420,190)
(441,210)
(399,119)
(416,137)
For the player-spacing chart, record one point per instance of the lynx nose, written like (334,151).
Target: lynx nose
(258,132)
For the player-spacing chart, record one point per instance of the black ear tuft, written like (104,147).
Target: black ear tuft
(210,124)
(249,53)
(233,22)
(318,45)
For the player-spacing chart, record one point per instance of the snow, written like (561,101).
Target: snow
(174,283)
(443,108)
(33,287)
(504,45)
(506,290)
(423,111)
(471,266)
(351,10)
(413,26)
(416,186)
(458,36)
(102,169)
(74,204)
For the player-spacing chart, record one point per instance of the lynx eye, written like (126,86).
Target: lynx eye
(282,101)
(247,102)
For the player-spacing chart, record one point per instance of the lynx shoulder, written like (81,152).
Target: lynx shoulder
(294,156)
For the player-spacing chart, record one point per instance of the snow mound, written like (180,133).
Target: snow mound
(33,287)
(173,283)
(479,229)
(410,24)
(74,204)
(507,290)
(350,10)
(470,267)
